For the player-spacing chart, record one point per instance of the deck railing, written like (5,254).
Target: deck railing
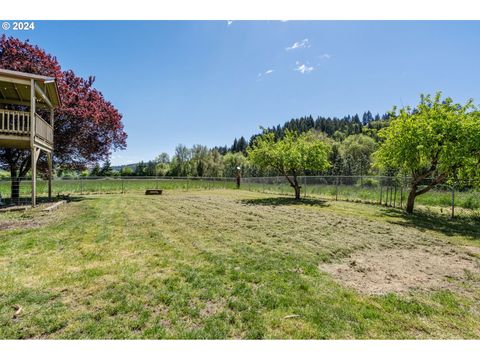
(18,123)
(14,122)
(43,130)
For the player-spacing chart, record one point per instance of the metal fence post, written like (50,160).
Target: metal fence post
(305,186)
(81,186)
(401,196)
(453,202)
(395,196)
(336,189)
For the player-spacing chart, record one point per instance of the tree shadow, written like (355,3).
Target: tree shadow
(40,201)
(467,226)
(283,201)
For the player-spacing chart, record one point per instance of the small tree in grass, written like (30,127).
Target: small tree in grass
(290,156)
(436,142)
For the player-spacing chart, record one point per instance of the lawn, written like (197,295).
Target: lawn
(236,264)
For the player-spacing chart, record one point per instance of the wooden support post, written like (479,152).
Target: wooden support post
(50,174)
(32,142)
(51,117)
(35,154)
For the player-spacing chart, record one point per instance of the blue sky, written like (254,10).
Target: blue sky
(195,82)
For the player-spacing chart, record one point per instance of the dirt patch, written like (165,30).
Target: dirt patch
(212,307)
(381,271)
(19,224)
(31,218)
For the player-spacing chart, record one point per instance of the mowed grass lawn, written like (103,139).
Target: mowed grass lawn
(233,264)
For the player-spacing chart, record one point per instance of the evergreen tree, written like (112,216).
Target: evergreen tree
(106,169)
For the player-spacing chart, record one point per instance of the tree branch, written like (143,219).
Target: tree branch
(430,186)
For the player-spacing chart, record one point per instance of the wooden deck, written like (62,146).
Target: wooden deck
(16,130)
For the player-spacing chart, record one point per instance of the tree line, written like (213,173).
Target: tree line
(353,139)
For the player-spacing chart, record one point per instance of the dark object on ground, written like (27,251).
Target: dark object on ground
(153,192)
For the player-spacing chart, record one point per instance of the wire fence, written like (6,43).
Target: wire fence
(458,199)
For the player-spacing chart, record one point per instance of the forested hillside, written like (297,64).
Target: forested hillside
(353,140)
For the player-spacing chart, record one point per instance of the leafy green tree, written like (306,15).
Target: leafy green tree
(180,165)
(163,164)
(126,171)
(215,166)
(291,155)
(357,150)
(233,160)
(435,142)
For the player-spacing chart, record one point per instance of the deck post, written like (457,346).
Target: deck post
(49,158)
(32,141)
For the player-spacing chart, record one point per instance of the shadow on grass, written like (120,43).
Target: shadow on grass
(468,226)
(281,201)
(41,200)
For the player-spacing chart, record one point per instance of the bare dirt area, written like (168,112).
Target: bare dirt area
(25,218)
(381,271)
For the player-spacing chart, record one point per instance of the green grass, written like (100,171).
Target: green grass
(467,202)
(215,264)
(464,200)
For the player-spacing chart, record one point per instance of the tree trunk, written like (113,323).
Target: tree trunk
(294,183)
(297,187)
(297,191)
(15,189)
(411,199)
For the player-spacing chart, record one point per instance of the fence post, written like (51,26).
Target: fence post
(81,186)
(305,186)
(123,186)
(395,196)
(401,196)
(381,193)
(336,189)
(453,202)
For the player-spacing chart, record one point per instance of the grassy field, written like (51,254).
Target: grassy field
(236,264)
(466,202)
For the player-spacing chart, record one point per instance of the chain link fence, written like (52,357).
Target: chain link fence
(458,199)
(380,190)
(103,185)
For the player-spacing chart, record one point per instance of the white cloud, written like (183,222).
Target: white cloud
(299,45)
(325,56)
(267,72)
(303,68)
(229,22)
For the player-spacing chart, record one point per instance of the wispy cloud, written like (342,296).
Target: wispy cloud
(229,22)
(303,68)
(299,45)
(325,56)
(265,73)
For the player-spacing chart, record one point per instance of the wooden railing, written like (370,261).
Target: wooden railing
(18,123)
(14,122)
(43,130)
